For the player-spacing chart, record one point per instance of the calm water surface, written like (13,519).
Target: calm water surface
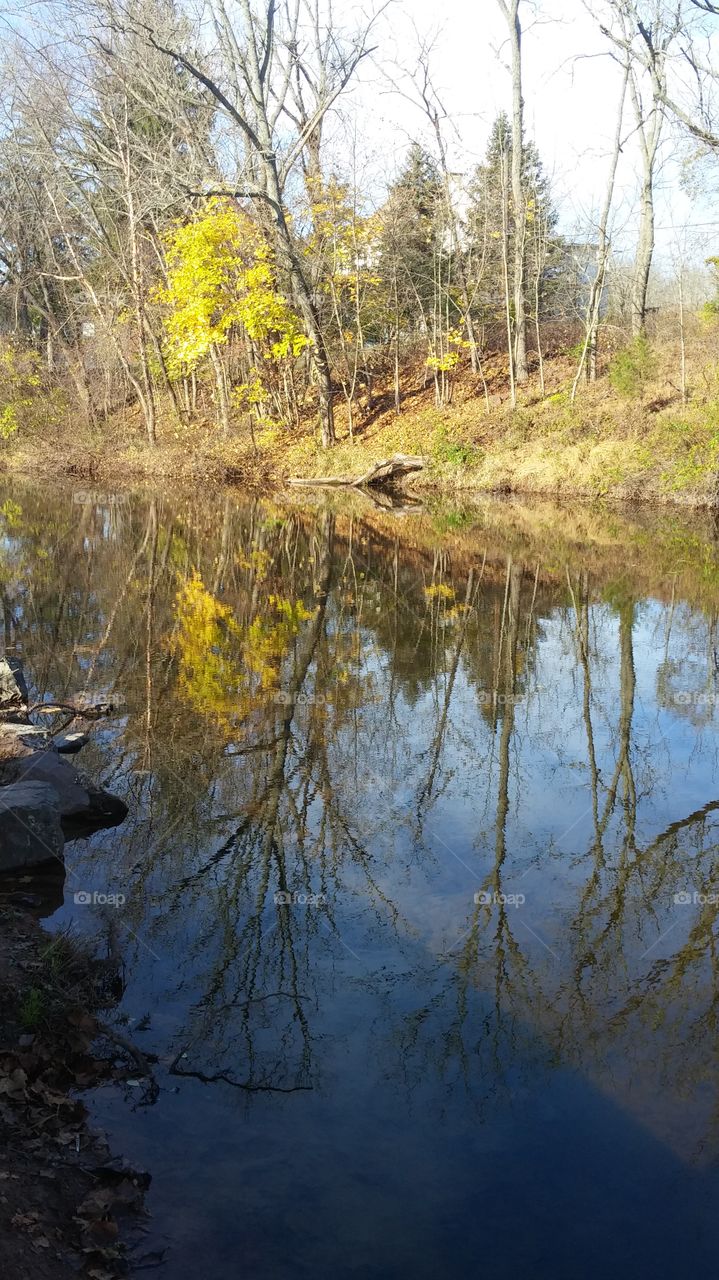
(420,875)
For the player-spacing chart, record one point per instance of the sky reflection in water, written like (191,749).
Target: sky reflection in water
(420,875)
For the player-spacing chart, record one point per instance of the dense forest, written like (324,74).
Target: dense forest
(180,243)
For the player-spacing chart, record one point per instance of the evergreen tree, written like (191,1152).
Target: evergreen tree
(411,239)
(492,215)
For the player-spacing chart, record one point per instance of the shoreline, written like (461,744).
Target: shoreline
(598,449)
(268,483)
(669,547)
(66,1202)
(259,475)
(61,1192)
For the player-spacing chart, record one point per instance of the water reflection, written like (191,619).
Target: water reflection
(423,814)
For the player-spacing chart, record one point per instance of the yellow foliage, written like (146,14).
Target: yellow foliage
(221,277)
(217,656)
(450,358)
(443,364)
(11,513)
(439,590)
(19,383)
(345,243)
(258,561)
(210,674)
(269,640)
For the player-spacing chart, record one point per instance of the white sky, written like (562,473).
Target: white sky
(571,89)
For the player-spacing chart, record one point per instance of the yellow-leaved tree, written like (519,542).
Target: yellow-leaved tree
(221,285)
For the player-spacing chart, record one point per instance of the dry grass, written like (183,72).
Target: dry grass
(655,447)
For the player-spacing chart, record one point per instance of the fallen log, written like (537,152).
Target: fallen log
(380,474)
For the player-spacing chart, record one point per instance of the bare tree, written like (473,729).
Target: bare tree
(700,117)
(645,33)
(510,9)
(588,357)
(262,52)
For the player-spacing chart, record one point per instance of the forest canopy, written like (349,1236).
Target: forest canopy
(180,232)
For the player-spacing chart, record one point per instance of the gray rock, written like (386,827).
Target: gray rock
(43,799)
(72,795)
(30,830)
(69,743)
(13,690)
(81,805)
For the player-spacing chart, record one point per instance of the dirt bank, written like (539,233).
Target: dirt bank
(657,449)
(67,1208)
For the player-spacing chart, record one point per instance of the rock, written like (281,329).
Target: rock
(82,807)
(13,690)
(18,741)
(70,743)
(104,810)
(30,829)
(107,810)
(46,766)
(60,803)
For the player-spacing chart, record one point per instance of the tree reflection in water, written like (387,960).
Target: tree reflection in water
(409,732)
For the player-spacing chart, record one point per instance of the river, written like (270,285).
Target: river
(417,902)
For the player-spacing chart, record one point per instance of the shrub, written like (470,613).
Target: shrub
(709,313)
(26,404)
(32,1009)
(632,368)
(455,453)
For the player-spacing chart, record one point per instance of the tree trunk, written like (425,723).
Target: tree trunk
(589,351)
(287,254)
(138,294)
(289,262)
(645,253)
(682,335)
(649,130)
(505,283)
(521,369)
(311,320)
(221,386)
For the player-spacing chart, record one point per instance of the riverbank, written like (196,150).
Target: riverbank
(59,1190)
(62,1195)
(655,449)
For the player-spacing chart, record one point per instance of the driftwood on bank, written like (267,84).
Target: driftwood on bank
(387,472)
